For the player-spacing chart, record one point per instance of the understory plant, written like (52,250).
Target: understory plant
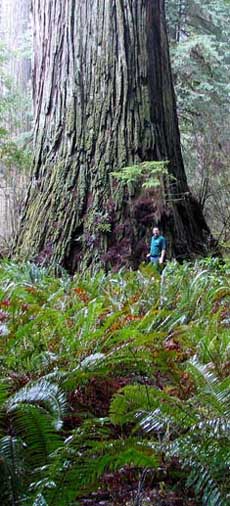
(116,383)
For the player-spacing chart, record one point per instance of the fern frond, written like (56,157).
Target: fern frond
(202,373)
(12,467)
(212,393)
(205,486)
(78,473)
(39,501)
(46,394)
(37,432)
(218,427)
(129,400)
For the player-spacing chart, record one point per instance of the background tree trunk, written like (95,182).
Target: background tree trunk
(15,113)
(15,30)
(103,100)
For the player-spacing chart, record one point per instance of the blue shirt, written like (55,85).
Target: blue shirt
(157,245)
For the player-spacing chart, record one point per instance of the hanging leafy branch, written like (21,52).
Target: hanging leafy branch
(148,173)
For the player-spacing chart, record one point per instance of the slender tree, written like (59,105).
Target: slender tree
(103,99)
(15,35)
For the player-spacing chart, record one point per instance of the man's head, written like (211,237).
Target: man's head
(156,231)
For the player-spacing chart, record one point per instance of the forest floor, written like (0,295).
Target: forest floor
(128,375)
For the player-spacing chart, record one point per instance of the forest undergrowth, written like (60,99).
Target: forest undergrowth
(115,389)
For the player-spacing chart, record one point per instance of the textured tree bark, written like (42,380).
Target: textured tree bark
(103,100)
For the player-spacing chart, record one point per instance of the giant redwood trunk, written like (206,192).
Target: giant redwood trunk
(103,100)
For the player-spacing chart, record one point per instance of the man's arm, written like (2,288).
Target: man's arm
(163,251)
(162,257)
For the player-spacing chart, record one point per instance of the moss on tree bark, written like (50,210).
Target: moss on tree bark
(103,100)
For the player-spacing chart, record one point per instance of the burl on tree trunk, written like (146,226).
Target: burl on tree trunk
(103,99)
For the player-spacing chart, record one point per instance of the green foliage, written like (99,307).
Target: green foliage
(113,374)
(29,419)
(11,152)
(15,151)
(199,35)
(148,173)
(197,431)
(14,104)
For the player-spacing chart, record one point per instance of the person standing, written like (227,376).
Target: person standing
(157,248)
